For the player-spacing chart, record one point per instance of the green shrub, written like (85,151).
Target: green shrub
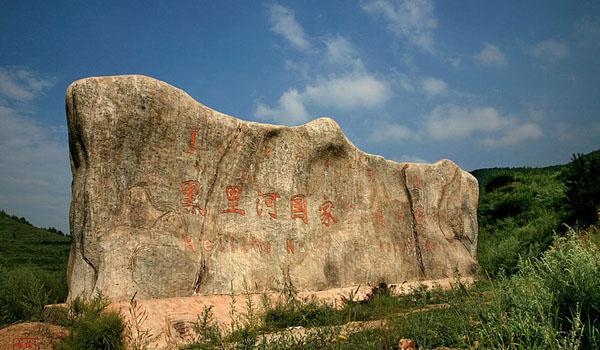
(498,182)
(24,292)
(303,313)
(581,176)
(92,327)
(58,315)
(102,332)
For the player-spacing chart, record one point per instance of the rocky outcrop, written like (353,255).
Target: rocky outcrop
(172,198)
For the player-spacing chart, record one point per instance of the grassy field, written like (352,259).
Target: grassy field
(24,245)
(33,269)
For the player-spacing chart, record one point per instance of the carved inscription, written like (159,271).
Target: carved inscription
(26,343)
(233,244)
(265,203)
(378,215)
(190,190)
(407,248)
(233,194)
(189,243)
(420,215)
(326,209)
(429,246)
(299,207)
(289,246)
(192,142)
(267,200)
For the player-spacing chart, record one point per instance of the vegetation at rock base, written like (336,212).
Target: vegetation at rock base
(91,327)
(540,286)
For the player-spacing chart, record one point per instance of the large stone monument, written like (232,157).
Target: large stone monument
(172,198)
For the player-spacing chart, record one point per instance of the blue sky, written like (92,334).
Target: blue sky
(484,83)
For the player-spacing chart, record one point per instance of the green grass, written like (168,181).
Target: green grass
(520,209)
(33,269)
(24,245)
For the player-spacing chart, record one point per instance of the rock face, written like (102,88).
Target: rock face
(171,198)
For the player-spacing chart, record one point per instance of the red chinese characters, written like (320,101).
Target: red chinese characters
(26,343)
(420,215)
(189,243)
(325,209)
(267,200)
(233,194)
(429,246)
(192,143)
(289,246)
(190,190)
(299,207)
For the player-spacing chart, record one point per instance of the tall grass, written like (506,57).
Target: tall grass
(553,302)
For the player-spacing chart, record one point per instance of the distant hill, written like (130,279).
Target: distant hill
(24,245)
(485,175)
(33,268)
(519,211)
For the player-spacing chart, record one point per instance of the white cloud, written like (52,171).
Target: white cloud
(388,133)
(452,122)
(345,92)
(515,136)
(34,159)
(412,20)
(284,23)
(550,50)
(351,86)
(21,85)
(289,110)
(349,91)
(34,170)
(340,51)
(491,55)
(434,86)
(456,122)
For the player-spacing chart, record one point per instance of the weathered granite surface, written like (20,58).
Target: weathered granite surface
(172,198)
